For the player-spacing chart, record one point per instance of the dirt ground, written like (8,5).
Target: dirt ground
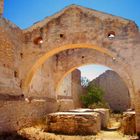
(37,134)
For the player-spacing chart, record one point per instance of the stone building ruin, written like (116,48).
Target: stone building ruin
(116,93)
(74,37)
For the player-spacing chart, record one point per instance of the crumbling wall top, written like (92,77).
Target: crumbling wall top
(1,7)
(70,10)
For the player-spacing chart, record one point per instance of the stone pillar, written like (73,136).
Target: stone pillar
(76,87)
(1,7)
(136,77)
(132,97)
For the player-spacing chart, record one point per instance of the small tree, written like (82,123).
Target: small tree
(93,97)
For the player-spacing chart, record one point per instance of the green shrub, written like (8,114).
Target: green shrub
(94,97)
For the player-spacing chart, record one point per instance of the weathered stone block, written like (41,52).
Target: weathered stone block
(73,123)
(128,123)
(104,114)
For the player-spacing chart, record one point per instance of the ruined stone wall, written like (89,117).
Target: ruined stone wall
(43,81)
(18,113)
(74,27)
(64,94)
(136,75)
(69,91)
(65,87)
(11,43)
(1,7)
(116,92)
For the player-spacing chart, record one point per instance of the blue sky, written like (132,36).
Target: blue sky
(26,12)
(92,71)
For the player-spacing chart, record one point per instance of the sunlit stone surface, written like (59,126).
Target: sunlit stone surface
(104,114)
(73,123)
(129,123)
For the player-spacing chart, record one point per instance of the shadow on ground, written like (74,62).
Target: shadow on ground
(11,136)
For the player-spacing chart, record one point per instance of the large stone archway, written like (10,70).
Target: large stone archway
(117,41)
(46,56)
(58,35)
(69,60)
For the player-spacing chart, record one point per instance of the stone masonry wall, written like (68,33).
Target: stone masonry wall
(69,91)
(1,7)
(41,85)
(10,48)
(116,92)
(17,114)
(65,87)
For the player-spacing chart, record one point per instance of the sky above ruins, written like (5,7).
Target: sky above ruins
(25,13)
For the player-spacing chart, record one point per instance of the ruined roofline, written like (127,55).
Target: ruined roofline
(5,23)
(99,14)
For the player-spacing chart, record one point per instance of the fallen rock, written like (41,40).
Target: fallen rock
(74,123)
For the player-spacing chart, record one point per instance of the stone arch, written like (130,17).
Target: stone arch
(92,57)
(52,52)
(112,57)
(77,27)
